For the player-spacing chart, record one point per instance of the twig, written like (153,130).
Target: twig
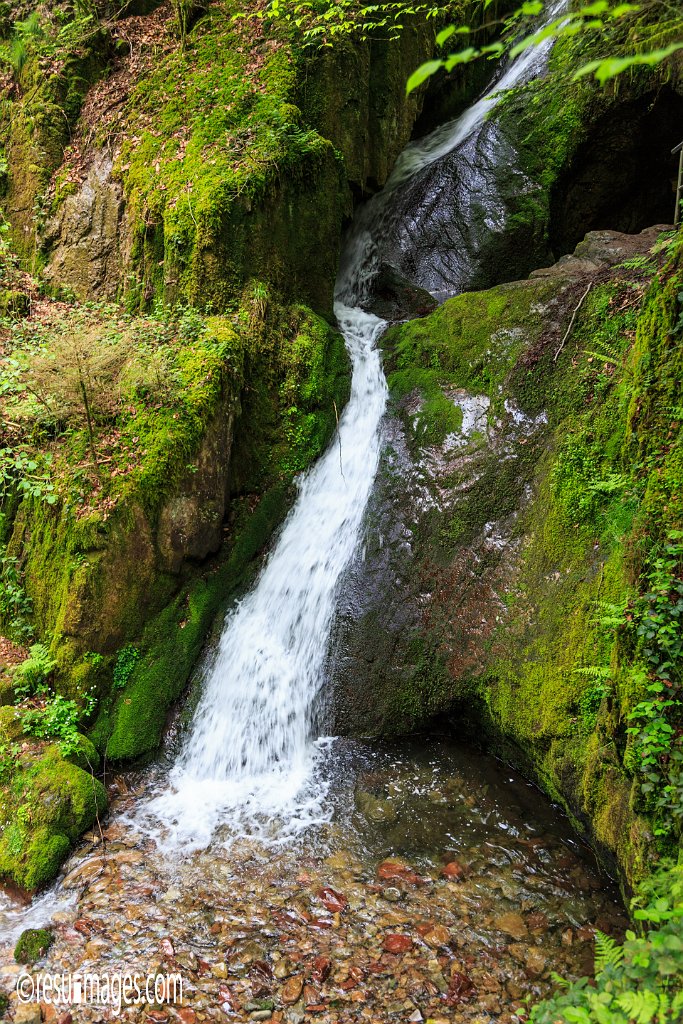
(571,322)
(97,811)
(341,465)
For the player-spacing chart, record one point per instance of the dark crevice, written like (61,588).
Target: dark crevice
(622,177)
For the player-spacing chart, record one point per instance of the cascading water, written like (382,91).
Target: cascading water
(251,754)
(442,209)
(250,758)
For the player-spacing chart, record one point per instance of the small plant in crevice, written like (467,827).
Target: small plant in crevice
(58,719)
(126,661)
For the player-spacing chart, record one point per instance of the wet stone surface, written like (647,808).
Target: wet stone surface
(444,889)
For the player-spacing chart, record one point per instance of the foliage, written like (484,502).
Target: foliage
(15,604)
(57,718)
(20,471)
(31,675)
(126,661)
(596,18)
(323,21)
(656,618)
(638,982)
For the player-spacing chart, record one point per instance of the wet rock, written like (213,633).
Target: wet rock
(397,943)
(535,963)
(187,1015)
(333,901)
(393,297)
(374,808)
(537,923)
(437,936)
(512,924)
(292,989)
(27,1013)
(322,965)
(397,871)
(453,871)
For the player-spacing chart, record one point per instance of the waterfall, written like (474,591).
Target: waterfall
(250,758)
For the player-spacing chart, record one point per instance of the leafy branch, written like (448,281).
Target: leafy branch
(596,17)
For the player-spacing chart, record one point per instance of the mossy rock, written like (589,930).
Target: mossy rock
(32,945)
(14,303)
(10,724)
(44,808)
(7,695)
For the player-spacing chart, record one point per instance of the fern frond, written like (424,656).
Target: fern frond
(593,671)
(608,953)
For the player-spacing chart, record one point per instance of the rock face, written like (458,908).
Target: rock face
(393,298)
(190,524)
(471,604)
(105,238)
(84,235)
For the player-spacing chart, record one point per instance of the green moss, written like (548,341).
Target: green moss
(219,171)
(32,945)
(471,341)
(555,681)
(45,806)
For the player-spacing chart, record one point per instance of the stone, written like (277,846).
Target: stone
(292,989)
(535,962)
(393,297)
(27,1013)
(397,943)
(512,924)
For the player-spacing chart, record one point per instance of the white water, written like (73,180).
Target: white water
(250,756)
(418,155)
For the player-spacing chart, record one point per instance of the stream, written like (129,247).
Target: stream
(287,875)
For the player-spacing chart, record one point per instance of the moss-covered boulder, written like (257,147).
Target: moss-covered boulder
(46,803)
(32,944)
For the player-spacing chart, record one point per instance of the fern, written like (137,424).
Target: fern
(642,1006)
(594,671)
(608,953)
(640,262)
(612,616)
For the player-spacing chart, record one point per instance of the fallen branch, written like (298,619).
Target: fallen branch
(572,321)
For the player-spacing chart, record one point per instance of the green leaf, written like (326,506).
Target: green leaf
(610,67)
(424,72)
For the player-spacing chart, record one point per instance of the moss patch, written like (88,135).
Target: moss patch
(45,806)
(32,945)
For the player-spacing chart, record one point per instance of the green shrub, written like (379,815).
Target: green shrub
(638,982)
